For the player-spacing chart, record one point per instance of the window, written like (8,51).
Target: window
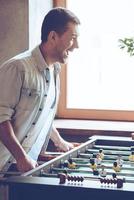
(98,81)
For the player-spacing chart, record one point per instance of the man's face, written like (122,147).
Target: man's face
(65,43)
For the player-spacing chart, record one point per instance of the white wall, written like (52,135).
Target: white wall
(20,22)
(37,10)
(13,28)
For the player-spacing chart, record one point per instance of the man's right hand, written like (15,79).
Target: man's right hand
(9,139)
(25,164)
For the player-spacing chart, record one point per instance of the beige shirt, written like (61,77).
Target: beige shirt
(24,91)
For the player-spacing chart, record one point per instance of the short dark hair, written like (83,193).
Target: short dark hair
(57,20)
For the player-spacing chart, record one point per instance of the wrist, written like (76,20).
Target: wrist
(21,156)
(58,141)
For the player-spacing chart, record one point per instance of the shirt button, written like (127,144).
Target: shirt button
(45,95)
(33,123)
(40,109)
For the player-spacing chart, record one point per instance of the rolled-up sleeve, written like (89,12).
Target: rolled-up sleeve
(10,87)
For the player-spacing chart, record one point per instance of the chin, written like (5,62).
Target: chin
(63,61)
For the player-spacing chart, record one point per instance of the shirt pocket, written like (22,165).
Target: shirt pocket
(29,98)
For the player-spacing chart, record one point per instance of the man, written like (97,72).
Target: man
(29,95)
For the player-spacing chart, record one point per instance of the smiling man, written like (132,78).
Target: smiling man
(59,37)
(29,95)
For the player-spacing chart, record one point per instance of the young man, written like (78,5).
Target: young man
(29,95)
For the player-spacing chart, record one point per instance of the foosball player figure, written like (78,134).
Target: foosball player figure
(132,148)
(119,160)
(101,154)
(93,164)
(65,164)
(131,157)
(103,172)
(116,167)
(114,175)
(98,159)
(71,164)
(94,167)
(93,156)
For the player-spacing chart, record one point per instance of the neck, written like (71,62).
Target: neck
(45,55)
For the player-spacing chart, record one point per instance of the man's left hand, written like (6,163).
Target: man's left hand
(66,146)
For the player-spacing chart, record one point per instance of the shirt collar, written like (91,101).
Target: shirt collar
(41,64)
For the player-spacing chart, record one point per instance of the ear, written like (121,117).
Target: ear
(52,36)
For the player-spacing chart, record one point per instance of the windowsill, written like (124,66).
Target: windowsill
(94,125)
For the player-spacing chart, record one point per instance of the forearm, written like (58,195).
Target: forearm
(8,138)
(59,142)
(55,136)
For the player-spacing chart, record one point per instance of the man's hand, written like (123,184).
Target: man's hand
(60,143)
(64,146)
(25,164)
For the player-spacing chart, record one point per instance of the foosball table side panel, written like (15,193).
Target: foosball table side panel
(42,192)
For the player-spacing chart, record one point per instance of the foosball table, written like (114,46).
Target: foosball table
(101,168)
